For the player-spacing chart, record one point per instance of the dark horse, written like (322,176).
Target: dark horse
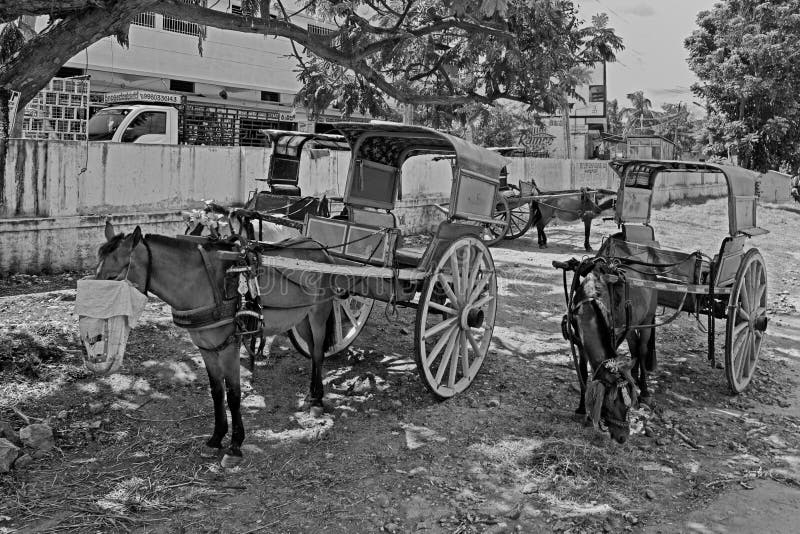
(603,310)
(189,275)
(569,207)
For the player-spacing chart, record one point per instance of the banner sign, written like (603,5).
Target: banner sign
(143,96)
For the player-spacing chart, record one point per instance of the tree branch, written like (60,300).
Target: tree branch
(13,9)
(40,58)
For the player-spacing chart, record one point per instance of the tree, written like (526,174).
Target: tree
(639,117)
(676,123)
(746,55)
(614,117)
(446,54)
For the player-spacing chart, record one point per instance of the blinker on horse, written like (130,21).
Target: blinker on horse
(190,276)
(602,311)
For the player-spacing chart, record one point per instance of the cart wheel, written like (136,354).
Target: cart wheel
(520,214)
(747,320)
(455,317)
(350,316)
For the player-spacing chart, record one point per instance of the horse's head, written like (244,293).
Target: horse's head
(611,390)
(610,394)
(109,305)
(122,258)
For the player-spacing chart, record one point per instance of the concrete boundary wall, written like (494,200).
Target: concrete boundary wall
(55,195)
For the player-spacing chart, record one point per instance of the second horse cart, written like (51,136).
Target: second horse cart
(731,285)
(452,283)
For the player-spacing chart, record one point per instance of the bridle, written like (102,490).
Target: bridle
(149,267)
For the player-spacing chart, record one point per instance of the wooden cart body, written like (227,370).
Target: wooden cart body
(452,284)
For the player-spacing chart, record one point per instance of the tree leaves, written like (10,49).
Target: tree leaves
(746,56)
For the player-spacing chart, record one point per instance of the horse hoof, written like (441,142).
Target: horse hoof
(229,461)
(209,452)
(316,411)
(588,249)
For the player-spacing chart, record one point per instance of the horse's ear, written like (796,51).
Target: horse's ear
(137,236)
(109,230)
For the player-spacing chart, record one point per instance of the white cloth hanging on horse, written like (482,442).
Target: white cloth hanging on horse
(107,310)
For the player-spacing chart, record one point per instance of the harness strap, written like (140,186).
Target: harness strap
(233,338)
(206,316)
(220,312)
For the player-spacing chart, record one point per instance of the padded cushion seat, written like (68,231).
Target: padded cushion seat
(406,257)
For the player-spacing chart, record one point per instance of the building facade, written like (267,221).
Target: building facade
(247,82)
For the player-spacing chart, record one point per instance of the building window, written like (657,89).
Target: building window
(313,29)
(269,96)
(181,26)
(147,20)
(236,9)
(182,86)
(147,123)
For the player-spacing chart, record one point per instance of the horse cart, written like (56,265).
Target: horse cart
(283,197)
(527,203)
(731,285)
(452,283)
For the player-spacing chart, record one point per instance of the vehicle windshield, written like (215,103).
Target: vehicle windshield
(105,122)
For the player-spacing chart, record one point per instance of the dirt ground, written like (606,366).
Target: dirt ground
(505,456)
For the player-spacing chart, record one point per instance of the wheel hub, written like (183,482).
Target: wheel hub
(760,323)
(472,318)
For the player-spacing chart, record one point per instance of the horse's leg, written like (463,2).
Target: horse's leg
(583,376)
(639,343)
(216,380)
(317,320)
(229,361)
(305,330)
(587,227)
(545,218)
(647,361)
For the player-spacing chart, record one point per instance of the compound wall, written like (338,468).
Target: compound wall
(56,195)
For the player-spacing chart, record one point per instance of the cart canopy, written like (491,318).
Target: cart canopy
(390,143)
(638,178)
(290,144)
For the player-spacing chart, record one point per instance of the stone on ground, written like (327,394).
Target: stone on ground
(8,453)
(37,436)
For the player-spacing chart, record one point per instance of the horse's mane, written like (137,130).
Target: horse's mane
(189,244)
(184,244)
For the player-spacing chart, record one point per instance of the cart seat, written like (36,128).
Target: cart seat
(406,257)
(285,190)
(674,265)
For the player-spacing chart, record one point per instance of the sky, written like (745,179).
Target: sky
(654,59)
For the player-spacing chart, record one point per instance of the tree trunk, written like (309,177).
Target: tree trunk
(5,96)
(40,58)
(567,134)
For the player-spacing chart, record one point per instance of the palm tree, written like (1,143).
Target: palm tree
(638,112)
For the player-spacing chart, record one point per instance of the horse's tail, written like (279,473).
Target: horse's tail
(536,213)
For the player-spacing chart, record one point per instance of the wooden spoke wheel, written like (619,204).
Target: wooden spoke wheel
(747,320)
(349,315)
(455,317)
(520,215)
